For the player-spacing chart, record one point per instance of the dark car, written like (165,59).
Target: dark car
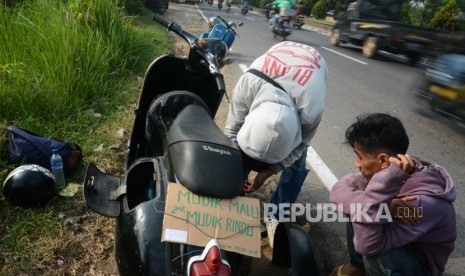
(158,6)
(442,87)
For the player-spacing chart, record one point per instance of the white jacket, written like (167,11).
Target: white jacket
(302,72)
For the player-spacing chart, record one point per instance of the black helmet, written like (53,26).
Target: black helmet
(29,186)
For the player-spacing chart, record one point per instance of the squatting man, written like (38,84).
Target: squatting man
(407,245)
(275,110)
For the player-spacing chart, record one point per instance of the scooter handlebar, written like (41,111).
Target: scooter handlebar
(176,29)
(162,21)
(221,86)
(220,83)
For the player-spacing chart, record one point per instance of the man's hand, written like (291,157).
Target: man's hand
(257,182)
(404,162)
(405,211)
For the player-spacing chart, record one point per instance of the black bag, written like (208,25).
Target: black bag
(28,147)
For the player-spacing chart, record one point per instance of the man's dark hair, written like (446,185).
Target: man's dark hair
(378,131)
(253,164)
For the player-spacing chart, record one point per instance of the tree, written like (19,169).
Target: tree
(448,18)
(319,10)
(308,5)
(427,9)
(405,11)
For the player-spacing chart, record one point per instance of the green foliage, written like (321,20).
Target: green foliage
(405,13)
(61,64)
(308,6)
(254,3)
(132,6)
(461,4)
(448,18)
(58,60)
(263,3)
(425,11)
(319,10)
(10,3)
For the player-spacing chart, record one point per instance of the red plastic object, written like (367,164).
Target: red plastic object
(209,263)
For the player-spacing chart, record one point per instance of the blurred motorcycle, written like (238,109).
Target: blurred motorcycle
(219,28)
(283,27)
(228,5)
(268,10)
(441,87)
(244,8)
(298,21)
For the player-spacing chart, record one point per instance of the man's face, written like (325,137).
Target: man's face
(367,163)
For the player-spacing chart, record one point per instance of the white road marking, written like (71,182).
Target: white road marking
(356,60)
(201,13)
(243,67)
(322,171)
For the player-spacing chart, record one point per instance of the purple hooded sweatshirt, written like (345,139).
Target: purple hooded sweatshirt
(434,235)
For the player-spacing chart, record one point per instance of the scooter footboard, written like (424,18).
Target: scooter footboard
(293,248)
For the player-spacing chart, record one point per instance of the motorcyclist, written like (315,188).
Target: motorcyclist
(298,20)
(268,9)
(282,7)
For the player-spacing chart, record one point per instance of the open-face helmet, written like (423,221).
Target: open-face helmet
(29,186)
(212,21)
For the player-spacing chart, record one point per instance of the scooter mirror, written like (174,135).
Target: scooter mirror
(241,23)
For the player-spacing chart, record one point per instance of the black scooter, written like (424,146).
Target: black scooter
(298,21)
(175,140)
(244,9)
(283,27)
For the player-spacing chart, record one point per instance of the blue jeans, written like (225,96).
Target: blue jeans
(290,183)
(405,260)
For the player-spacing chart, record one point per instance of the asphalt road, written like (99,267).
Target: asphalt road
(356,85)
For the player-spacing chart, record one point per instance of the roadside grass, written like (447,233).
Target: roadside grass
(71,70)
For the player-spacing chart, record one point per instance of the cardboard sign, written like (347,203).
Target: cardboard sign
(195,220)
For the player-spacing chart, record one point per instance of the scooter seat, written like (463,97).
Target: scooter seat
(204,160)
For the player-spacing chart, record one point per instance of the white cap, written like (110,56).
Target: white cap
(270,132)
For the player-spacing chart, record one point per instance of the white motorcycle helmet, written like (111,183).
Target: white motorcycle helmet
(212,21)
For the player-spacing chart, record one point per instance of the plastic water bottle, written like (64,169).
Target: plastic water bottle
(57,169)
(150,192)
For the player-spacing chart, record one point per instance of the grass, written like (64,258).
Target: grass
(70,70)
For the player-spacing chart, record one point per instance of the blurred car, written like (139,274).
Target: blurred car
(442,86)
